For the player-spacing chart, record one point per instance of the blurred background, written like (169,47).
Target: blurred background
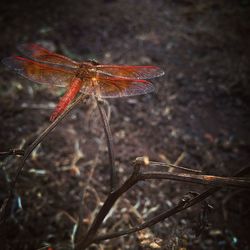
(198,118)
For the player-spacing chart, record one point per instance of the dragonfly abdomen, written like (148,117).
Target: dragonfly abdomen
(68,97)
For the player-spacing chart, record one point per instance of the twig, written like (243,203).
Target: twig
(110,201)
(180,207)
(165,164)
(108,134)
(198,179)
(29,150)
(137,176)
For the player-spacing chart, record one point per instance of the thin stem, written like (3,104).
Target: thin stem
(31,147)
(156,219)
(109,138)
(144,161)
(198,179)
(169,165)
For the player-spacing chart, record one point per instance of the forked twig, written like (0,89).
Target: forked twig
(31,147)
(110,201)
(138,176)
(164,215)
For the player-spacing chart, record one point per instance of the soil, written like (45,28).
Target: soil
(198,117)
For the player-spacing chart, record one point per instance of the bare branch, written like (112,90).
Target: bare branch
(31,147)
(138,176)
(180,207)
(108,204)
(198,179)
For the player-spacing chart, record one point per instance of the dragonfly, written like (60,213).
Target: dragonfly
(90,77)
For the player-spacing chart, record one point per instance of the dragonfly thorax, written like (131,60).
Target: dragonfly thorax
(86,70)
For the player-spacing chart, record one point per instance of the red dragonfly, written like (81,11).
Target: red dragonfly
(90,77)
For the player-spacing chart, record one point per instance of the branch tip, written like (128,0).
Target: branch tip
(142,161)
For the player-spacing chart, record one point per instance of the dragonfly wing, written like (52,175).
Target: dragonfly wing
(39,72)
(130,72)
(43,55)
(117,87)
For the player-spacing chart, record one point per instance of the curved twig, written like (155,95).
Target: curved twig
(31,147)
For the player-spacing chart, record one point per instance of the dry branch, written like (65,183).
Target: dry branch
(29,150)
(180,207)
(136,176)
(198,179)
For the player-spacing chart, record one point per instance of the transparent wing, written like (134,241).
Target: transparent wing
(38,72)
(117,87)
(130,72)
(43,55)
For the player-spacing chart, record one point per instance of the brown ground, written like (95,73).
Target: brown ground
(199,115)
